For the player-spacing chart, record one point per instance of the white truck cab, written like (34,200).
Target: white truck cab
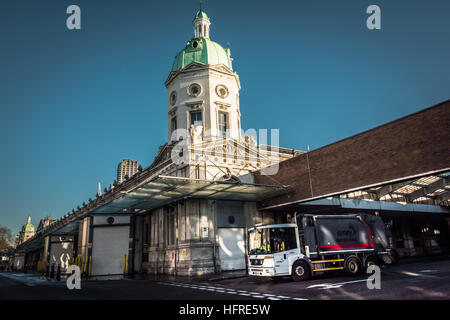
(273,249)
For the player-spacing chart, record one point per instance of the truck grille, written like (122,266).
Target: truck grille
(256,262)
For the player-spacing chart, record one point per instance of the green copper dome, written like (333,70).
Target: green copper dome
(204,51)
(201,14)
(28,227)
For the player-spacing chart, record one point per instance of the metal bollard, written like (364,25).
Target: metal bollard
(52,272)
(47,271)
(58,273)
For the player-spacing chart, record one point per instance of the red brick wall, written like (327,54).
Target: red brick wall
(414,144)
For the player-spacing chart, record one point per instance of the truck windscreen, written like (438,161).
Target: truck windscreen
(271,240)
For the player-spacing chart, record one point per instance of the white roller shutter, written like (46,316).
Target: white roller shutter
(232,248)
(109,246)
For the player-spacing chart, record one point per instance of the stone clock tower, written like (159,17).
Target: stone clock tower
(203,89)
(202,229)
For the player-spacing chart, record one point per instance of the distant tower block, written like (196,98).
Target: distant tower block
(126,167)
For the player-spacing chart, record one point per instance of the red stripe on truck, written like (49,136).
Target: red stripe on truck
(372,242)
(347,246)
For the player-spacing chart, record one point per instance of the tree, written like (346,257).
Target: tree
(6,239)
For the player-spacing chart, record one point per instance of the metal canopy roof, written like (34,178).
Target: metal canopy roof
(356,205)
(165,189)
(431,189)
(423,193)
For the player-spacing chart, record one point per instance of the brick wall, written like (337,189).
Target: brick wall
(411,145)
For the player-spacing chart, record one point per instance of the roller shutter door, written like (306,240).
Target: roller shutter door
(109,246)
(232,248)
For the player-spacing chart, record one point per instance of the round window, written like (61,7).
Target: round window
(231,219)
(173,98)
(110,220)
(195,44)
(194,90)
(222,91)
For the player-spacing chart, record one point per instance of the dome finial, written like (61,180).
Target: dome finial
(201,23)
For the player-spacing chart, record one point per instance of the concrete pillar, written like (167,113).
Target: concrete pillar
(138,242)
(46,248)
(83,237)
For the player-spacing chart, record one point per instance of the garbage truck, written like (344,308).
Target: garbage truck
(314,244)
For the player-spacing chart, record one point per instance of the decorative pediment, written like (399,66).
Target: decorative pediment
(222,105)
(194,66)
(222,68)
(195,104)
(230,148)
(164,153)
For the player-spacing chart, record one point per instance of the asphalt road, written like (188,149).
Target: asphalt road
(419,280)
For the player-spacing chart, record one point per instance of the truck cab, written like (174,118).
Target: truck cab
(272,249)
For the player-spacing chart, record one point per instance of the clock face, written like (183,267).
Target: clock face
(194,90)
(173,98)
(222,91)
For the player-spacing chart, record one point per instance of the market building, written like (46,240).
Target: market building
(189,211)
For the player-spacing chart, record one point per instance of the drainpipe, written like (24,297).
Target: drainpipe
(214,239)
(176,240)
(133,243)
(309,173)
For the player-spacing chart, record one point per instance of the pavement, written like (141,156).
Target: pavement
(428,279)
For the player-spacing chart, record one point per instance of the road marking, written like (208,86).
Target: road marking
(333,285)
(244,293)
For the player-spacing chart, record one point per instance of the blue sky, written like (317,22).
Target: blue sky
(74,103)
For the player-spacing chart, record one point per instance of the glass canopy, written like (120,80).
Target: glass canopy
(165,189)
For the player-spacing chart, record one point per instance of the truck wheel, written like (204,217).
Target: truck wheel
(370,261)
(353,265)
(300,271)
